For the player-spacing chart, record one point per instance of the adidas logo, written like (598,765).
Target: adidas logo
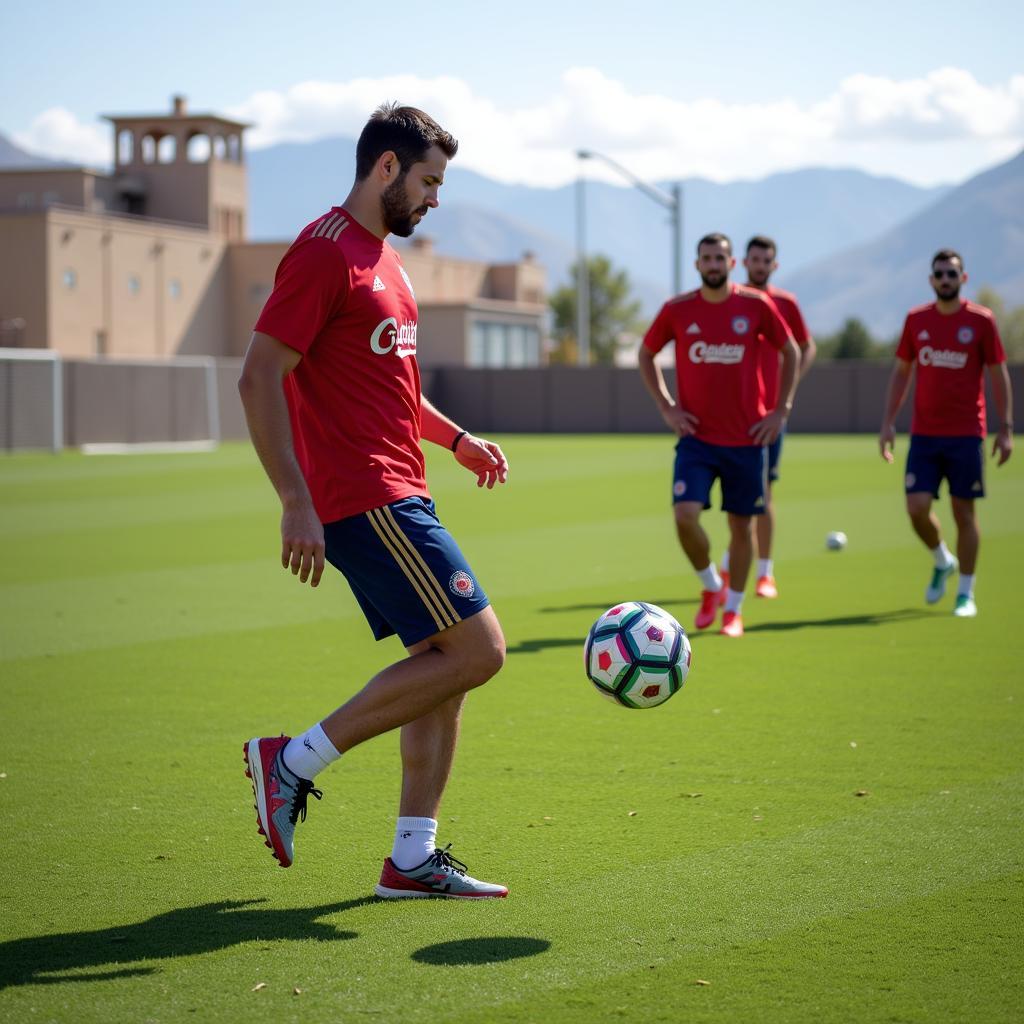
(977,485)
(924,336)
(694,328)
(378,284)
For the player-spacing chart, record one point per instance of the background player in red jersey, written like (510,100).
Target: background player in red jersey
(949,342)
(761,264)
(332,397)
(720,416)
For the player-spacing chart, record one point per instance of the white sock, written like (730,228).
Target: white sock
(733,600)
(710,578)
(764,567)
(966,585)
(415,841)
(942,555)
(725,561)
(310,753)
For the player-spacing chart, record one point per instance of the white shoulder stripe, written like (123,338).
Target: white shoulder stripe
(325,225)
(334,232)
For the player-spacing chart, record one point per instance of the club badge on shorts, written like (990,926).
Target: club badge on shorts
(461,584)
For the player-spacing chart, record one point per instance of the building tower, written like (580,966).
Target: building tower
(182,167)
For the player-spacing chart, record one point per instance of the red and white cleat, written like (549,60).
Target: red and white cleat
(709,601)
(732,624)
(766,587)
(724,592)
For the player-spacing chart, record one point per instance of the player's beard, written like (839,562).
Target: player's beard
(714,278)
(947,291)
(757,278)
(395,210)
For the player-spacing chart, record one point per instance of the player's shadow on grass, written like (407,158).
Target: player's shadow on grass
(871,619)
(50,959)
(490,950)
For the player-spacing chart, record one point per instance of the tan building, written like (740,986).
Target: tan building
(151,260)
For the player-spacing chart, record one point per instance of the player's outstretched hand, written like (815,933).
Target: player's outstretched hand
(1003,446)
(302,543)
(679,421)
(767,430)
(484,458)
(886,441)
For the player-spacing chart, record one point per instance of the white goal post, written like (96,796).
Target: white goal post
(114,406)
(31,399)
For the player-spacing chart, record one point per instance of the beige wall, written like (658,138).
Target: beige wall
(251,267)
(34,189)
(70,274)
(23,276)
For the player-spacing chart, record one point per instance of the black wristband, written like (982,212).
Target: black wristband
(458,437)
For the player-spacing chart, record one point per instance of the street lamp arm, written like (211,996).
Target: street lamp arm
(651,191)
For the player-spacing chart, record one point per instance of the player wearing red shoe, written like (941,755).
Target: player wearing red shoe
(761,263)
(948,345)
(332,397)
(719,413)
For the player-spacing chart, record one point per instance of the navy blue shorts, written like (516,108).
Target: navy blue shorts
(742,469)
(774,454)
(959,460)
(405,569)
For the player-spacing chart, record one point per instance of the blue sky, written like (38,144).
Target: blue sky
(928,92)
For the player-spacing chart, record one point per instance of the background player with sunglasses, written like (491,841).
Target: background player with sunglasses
(950,342)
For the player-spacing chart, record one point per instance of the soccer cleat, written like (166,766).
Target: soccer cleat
(723,593)
(439,875)
(965,607)
(937,587)
(709,601)
(732,624)
(766,587)
(280,795)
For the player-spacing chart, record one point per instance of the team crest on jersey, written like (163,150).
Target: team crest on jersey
(740,325)
(965,335)
(408,283)
(461,584)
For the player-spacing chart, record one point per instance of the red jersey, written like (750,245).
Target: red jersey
(342,298)
(950,353)
(771,362)
(717,356)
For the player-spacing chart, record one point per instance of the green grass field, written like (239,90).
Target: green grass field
(147,631)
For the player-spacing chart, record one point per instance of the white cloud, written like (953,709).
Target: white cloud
(941,127)
(58,134)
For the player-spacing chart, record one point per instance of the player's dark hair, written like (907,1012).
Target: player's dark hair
(947,254)
(715,238)
(406,131)
(762,242)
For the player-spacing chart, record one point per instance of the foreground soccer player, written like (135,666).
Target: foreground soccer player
(761,264)
(950,342)
(720,417)
(332,397)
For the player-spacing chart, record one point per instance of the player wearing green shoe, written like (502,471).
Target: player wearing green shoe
(948,344)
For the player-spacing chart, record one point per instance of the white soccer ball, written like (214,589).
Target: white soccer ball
(836,540)
(637,655)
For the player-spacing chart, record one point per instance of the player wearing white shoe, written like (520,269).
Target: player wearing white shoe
(948,345)
(761,263)
(332,397)
(719,415)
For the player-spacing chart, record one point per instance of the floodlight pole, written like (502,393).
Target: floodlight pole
(671,201)
(582,279)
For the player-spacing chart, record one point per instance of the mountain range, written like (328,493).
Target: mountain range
(850,243)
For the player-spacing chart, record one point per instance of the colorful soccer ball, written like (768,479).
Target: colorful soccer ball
(637,655)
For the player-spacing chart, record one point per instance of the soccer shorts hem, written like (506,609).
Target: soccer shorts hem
(405,570)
